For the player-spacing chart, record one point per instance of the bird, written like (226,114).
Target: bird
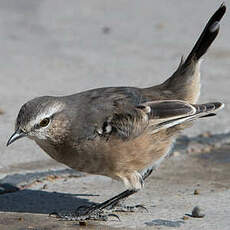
(120,132)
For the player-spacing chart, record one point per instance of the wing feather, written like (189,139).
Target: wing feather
(157,115)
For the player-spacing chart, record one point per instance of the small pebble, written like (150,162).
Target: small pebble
(196,192)
(160,26)
(206,134)
(51,178)
(106,30)
(45,186)
(176,154)
(20,218)
(197,212)
(82,223)
(207,148)
(185,217)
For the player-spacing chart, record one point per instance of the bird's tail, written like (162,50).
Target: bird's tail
(185,82)
(207,36)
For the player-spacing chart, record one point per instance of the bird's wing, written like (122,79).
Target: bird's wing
(166,114)
(156,115)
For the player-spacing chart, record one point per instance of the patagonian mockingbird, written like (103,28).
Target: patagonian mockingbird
(120,132)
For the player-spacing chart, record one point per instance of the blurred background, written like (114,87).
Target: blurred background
(59,47)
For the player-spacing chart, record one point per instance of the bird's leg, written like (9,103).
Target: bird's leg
(147,173)
(100,211)
(120,205)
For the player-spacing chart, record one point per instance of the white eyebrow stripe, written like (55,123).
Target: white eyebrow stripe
(48,113)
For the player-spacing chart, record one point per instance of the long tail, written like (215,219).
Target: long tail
(184,84)
(207,36)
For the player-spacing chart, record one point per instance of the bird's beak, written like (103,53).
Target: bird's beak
(17,135)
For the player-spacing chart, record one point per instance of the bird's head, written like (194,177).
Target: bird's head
(40,119)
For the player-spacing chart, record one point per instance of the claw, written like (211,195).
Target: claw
(142,206)
(114,215)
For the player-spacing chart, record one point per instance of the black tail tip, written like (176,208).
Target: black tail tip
(223,6)
(220,12)
(215,19)
(208,35)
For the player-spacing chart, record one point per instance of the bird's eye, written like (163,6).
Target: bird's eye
(44,122)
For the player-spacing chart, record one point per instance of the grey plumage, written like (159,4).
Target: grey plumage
(120,132)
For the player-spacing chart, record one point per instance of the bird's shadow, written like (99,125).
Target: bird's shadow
(36,201)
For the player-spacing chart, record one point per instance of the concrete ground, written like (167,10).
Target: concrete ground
(61,47)
(184,181)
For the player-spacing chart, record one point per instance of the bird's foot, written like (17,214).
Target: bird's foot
(84,213)
(100,211)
